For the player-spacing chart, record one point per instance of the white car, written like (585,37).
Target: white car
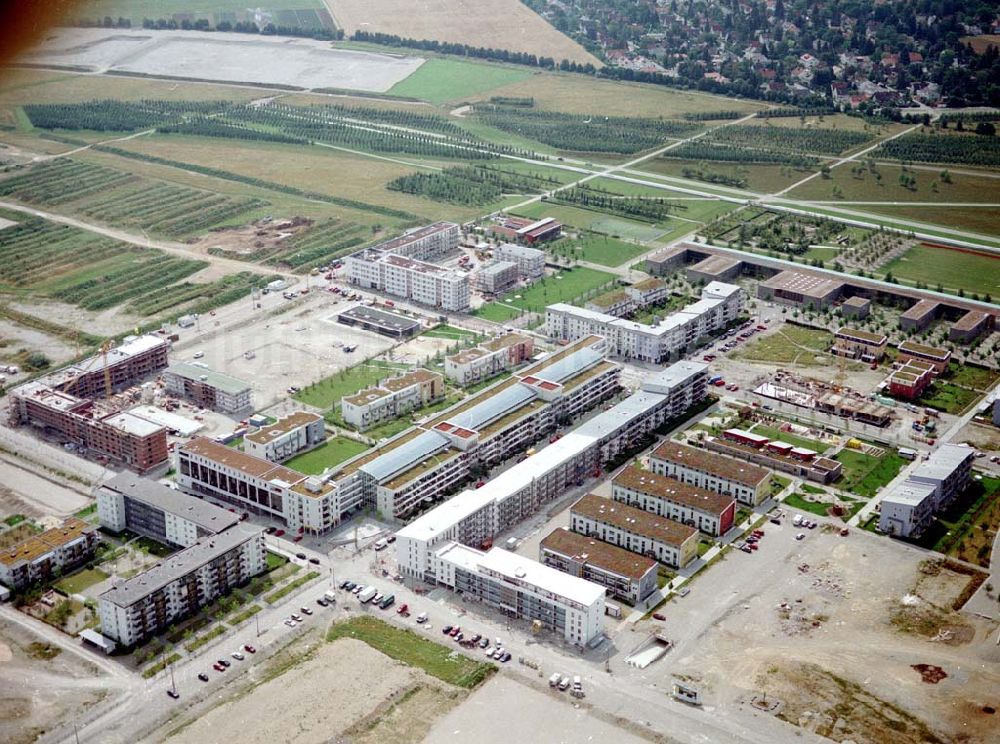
(238,656)
(801,536)
(422,617)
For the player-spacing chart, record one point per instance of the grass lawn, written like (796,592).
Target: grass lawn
(76,583)
(565,286)
(792,344)
(796,501)
(497,312)
(864,186)
(772,432)
(595,221)
(449,332)
(969,375)
(972,272)
(333,452)
(290,587)
(863,474)
(275,561)
(406,646)
(148,545)
(760,177)
(599,249)
(440,80)
(948,398)
(981,220)
(328,392)
(966,530)
(822,253)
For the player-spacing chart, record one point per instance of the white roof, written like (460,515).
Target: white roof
(676,374)
(943,462)
(525,571)
(910,493)
(132,424)
(186,426)
(719,290)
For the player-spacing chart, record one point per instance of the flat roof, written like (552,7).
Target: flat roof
(685,494)
(710,462)
(38,545)
(921,309)
(468,355)
(857,301)
(499,267)
(716,264)
(505,341)
(909,492)
(857,334)
(630,519)
(202,513)
(414,377)
(807,285)
(132,424)
(521,250)
(524,571)
(943,461)
(408,238)
(170,421)
(282,426)
(255,467)
(647,285)
(970,320)
(378,317)
(178,565)
(744,434)
(602,555)
(912,347)
(218,380)
(610,298)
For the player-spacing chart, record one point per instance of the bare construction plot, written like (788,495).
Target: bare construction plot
(506,24)
(301,63)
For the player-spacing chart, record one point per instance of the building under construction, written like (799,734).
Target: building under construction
(76,404)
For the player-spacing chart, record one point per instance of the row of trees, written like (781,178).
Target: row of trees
(114,116)
(469,185)
(701,150)
(202,24)
(651,209)
(929,148)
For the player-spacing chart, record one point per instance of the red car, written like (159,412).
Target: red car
(218,667)
(279,533)
(249,649)
(298,538)
(658,616)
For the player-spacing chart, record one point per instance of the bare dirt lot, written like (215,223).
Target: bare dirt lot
(474,22)
(39,685)
(834,631)
(23,492)
(303,63)
(326,696)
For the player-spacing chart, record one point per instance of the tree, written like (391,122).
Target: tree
(36,360)
(986,129)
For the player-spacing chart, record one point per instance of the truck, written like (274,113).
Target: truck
(330,595)
(554,679)
(367,594)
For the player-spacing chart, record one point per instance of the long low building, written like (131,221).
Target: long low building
(624,574)
(525,589)
(42,557)
(176,587)
(145,507)
(671,543)
(489,359)
(707,511)
(746,483)
(776,455)
(208,389)
(475,517)
(909,507)
(680,332)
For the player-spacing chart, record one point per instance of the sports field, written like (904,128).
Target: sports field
(954,269)
(441,80)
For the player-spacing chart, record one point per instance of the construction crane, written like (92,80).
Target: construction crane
(107,346)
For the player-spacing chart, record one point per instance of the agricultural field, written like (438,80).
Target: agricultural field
(837,122)
(944,148)
(792,344)
(980,220)
(953,269)
(328,392)
(288,13)
(333,452)
(478,23)
(863,474)
(770,138)
(471,185)
(759,178)
(891,183)
(441,80)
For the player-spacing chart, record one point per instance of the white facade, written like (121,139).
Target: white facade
(530,261)
(525,589)
(720,304)
(286,437)
(393,398)
(489,359)
(909,507)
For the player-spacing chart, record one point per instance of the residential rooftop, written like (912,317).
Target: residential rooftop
(912,347)
(856,334)
(38,545)
(711,463)
(283,426)
(205,376)
(674,490)
(255,467)
(921,309)
(204,514)
(807,285)
(970,320)
(601,555)
(633,520)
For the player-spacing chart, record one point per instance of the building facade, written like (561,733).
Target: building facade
(44,557)
(746,483)
(910,506)
(392,398)
(207,389)
(489,359)
(297,432)
(496,277)
(530,261)
(857,344)
(624,574)
(706,511)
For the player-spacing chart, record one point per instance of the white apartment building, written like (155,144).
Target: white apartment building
(146,507)
(679,332)
(208,389)
(180,584)
(524,589)
(475,516)
(624,574)
(286,437)
(489,359)
(746,483)
(671,543)
(424,243)
(392,398)
(496,277)
(707,511)
(530,261)
(651,291)
(39,557)
(910,506)
(415,280)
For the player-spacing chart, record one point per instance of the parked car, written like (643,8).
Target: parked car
(224,662)
(305,611)
(279,533)
(800,536)
(296,618)
(446,629)
(173,693)
(314,560)
(203,677)
(238,656)
(422,617)
(455,631)
(484,642)
(659,616)
(271,530)
(403,609)
(218,667)
(249,649)
(344,583)
(505,658)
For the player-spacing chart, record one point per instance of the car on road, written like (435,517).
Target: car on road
(238,656)
(279,533)
(270,530)
(305,611)
(422,617)
(314,560)
(659,616)
(289,622)
(203,677)
(218,667)
(296,617)
(300,556)
(390,539)
(446,629)
(249,649)
(800,536)
(173,693)
(322,602)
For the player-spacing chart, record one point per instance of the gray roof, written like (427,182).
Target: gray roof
(676,374)
(405,456)
(493,407)
(218,380)
(380,318)
(609,422)
(178,565)
(570,365)
(498,267)
(205,515)
(943,462)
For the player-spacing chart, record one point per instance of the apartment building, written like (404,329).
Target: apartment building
(526,230)
(392,398)
(530,262)
(923,353)
(94,425)
(41,557)
(971,326)
(909,507)
(616,302)
(651,291)
(145,507)
(523,589)
(624,574)
(476,516)
(409,278)
(177,586)
(304,503)
(746,483)
(496,277)
(910,379)
(669,542)
(207,389)
(424,243)
(775,455)
(136,358)
(707,511)
(297,432)
(854,343)
(489,359)
(679,332)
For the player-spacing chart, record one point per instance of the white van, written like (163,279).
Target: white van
(554,679)
(564,683)
(381,544)
(797,520)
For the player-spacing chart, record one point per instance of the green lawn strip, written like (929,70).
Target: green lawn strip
(498,312)
(204,638)
(564,286)
(406,646)
(953,269)
(152,671)
(290,587)
(440,80)
(797,502)
(971,376)
(275,561)
(328,391)
(449,332)
(244,614)
(774,433)
(599,249)
(76,583)
(863,474)
(333,452)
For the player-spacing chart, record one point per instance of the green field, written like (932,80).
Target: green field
(281,11)
(76,583)
(565,286)
(948,398)
(954,269)
(333,452)
(497,312)
(328,392)
(406,646)
(863,474)
(792,344)
(440,80)
(586,219)
(925,186)
(795,501)
(450,333)
(969,375)
(599,249)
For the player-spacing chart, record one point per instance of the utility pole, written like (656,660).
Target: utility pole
(76,733)
(173,684)
(256,616)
